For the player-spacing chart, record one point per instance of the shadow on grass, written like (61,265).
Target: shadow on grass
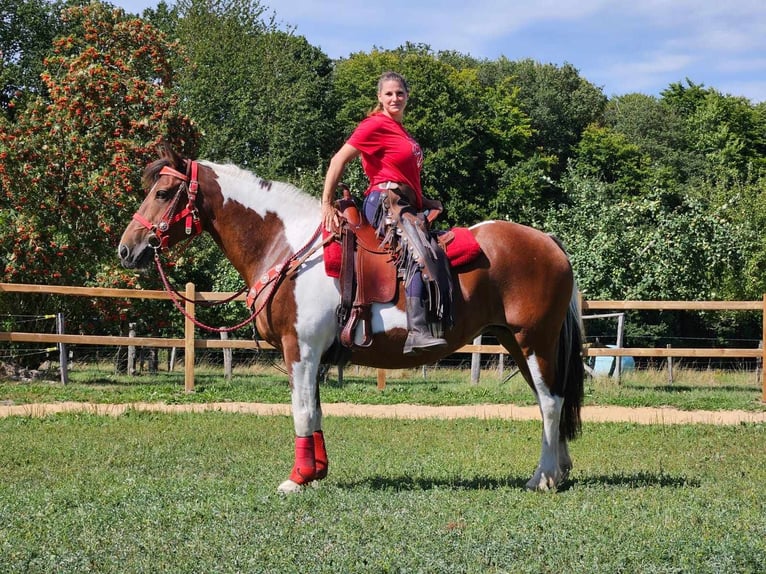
(678,389)
(634,480)
(408,483)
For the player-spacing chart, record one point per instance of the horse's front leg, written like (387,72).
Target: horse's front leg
(310,453)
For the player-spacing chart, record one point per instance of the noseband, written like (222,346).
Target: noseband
(189,214)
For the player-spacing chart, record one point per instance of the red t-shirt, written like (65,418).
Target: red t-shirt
(389,153)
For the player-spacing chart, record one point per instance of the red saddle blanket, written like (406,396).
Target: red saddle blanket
(461,248)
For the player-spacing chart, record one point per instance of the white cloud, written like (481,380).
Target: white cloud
(621,46)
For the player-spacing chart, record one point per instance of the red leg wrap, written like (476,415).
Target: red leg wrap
(320,454)
(304,470)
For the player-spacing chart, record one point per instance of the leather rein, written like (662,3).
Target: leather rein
(189,215)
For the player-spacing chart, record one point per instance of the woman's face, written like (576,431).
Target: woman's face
(393,98)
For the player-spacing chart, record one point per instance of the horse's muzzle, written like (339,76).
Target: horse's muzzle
(135,258)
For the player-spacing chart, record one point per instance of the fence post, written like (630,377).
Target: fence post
(131,350)
(226,357)
(189,339)
(618,360)
(476,363)
(381,379)
(121,358)
(63,358)
(763,356)
(670,366)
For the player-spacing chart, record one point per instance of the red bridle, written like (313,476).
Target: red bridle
(189,214)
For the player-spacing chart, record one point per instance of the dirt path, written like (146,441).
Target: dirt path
(640,415)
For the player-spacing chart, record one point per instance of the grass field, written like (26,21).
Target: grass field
(196,493)
(148,492)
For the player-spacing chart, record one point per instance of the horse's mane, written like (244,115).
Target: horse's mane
(287,192)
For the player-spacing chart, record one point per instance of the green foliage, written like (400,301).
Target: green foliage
(646,248)
(606,155)
(724,131)
(71,163)
(26,38)
(559,102)
(260,95)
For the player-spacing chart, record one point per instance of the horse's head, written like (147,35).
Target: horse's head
(168,213)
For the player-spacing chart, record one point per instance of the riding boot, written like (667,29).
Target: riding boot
(419,337)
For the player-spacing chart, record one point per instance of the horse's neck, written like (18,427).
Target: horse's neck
(260,224)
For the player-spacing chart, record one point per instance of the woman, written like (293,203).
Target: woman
(391,160)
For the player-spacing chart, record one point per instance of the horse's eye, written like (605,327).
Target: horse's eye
(163,194)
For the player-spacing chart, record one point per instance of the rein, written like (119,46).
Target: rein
(192,227)
(271,278)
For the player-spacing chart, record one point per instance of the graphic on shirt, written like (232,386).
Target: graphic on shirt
(417,152)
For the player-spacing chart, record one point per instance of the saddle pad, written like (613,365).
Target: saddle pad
(332,256)
(461,248)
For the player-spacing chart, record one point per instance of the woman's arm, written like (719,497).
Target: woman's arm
(337,166)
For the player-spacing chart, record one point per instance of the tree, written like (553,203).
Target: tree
(559,102)
(70,165)
(660,134)
(27,30)
(607,155)
(260,95)
(725,132)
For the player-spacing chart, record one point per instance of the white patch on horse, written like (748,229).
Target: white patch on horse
(489,222)
(548,473)
(316,297)
(385,317)
(298,211)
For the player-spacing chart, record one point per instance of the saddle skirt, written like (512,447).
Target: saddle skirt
(459,244)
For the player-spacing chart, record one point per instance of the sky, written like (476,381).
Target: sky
(621,47)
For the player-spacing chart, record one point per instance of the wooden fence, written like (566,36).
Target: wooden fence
(189,343)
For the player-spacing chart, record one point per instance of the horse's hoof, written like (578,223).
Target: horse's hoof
(540,482)
(289,487)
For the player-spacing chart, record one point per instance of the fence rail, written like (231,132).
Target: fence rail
(190,343)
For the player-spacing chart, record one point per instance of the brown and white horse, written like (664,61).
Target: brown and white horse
(520,289)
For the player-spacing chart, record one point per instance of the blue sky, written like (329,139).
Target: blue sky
(622,47)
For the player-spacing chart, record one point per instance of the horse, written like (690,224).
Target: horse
(520,288)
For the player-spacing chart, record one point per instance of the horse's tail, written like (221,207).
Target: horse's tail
(571,371)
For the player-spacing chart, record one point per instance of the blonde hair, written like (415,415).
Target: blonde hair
(389,77)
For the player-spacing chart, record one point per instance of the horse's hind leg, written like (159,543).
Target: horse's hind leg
(554,453)
(554,461)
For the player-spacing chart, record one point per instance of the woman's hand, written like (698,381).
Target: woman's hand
(330,218)
(433,208)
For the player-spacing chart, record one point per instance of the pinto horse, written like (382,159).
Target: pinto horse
(520,289)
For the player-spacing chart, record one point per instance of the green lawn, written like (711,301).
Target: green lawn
(149,492)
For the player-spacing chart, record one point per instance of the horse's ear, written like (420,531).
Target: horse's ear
(166,151)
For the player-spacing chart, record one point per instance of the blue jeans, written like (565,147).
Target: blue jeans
(370,208)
